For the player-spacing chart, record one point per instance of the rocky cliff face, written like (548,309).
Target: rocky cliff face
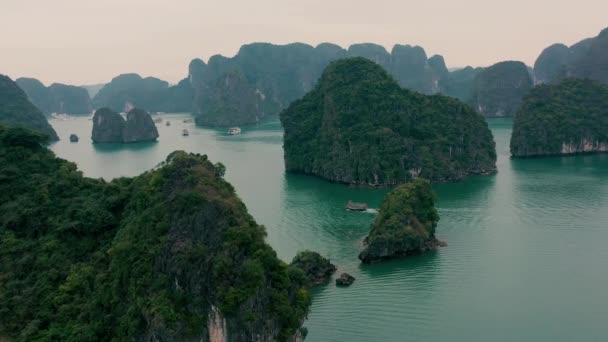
(108,126)
(565,118)
(405,224)
(230,102)
(111,127)
(170,255)
(357,126)
(57,98)
(17,110)
(139,127)
(499,90)
(585,59)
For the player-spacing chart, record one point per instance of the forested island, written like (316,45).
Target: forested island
(17,110)
(405,224)
(57,98)
(559,119)
(170,255)
(111,127)
(358,126)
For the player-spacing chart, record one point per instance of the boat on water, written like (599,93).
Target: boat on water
(354,206)
(74,138)
(234,130)
(59,116)
(168,123)
(185,132)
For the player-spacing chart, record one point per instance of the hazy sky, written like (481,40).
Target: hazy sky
(91,41)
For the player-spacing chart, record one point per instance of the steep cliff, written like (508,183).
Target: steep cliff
(111,127)
(405,224)
(498,90)
(108,126)
(170,255)
(230,102)
(17,110)
(358,126)
(566,118)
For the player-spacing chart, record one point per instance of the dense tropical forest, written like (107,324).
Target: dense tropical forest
(169,255)
(358,126)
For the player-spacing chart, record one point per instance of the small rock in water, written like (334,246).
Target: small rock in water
(345,280)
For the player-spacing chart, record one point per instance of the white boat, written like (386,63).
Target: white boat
(234,130)
(185,133)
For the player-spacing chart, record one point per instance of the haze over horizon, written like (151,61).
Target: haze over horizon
(85,42)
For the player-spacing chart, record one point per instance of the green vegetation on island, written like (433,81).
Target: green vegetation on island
(358,126)
(17,110)
(405,224)
(170,255)
(566,118)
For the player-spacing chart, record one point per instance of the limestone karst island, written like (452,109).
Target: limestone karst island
(303,171)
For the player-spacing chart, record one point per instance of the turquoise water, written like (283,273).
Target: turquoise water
(527,247)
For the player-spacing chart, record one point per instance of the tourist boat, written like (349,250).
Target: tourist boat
(74,138)
(354,206)
(185,133)
(234,130)
(168,123)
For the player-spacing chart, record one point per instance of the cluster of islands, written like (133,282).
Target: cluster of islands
(173,254)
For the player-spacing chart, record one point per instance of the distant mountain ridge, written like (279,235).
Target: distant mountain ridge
(586,59)
(57,98)
(263,78)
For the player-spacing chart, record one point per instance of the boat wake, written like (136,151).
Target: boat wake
(371,211)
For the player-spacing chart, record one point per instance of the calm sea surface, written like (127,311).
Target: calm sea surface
(528,248)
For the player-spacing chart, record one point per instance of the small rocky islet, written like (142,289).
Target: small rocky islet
(318,269)
(111,127)
(405,224)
